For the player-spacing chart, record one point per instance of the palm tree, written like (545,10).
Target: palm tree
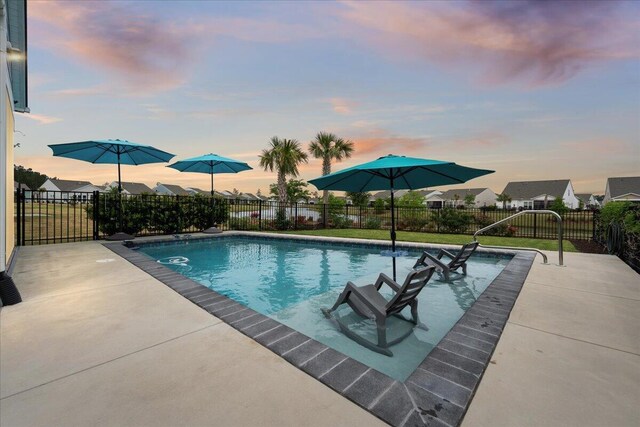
(283,156)
(504,198)
(328,147)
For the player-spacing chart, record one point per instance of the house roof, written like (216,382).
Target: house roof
(17,185)
(584,197)
(66,185)
(250,196)
(525,190)
(197,190)
(620,186)
(428,191)
(224,194)
(461,193)
(134,187)
(387,194)
(175,189)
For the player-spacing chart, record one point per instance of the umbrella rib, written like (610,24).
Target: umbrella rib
(368,181)
(74,150)
(149,153)
(101,154)
(335,182)
(442,174)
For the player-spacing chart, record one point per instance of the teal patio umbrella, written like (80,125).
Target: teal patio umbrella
(112,151)
(397,173)
(210,163)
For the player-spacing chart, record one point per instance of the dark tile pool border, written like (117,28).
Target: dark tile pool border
(437,393)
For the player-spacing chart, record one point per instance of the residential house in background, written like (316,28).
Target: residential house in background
(194,191)
(62,190)
(540,194)
(483,197)
(19,186)
(131,188)
(588,200)
(224,194)
(432,198)
(170,190)
(623,189)
(386,194)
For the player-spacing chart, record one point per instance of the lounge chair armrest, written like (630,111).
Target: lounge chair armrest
(445,252)
(383,278)
(431,260)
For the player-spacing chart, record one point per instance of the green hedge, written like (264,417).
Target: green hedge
(152,214)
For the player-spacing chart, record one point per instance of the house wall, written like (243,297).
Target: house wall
(9,224)
(162,190)
(607,194)
(7,227)
(51,192)
(486,198)
(569,197)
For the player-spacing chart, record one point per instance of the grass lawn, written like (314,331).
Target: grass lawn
(453,239)
(56,222)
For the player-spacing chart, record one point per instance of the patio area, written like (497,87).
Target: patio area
(97,341)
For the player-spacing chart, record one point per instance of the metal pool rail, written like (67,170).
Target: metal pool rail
(507,219)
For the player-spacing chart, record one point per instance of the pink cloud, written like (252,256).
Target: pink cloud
(146,55)
(342,105)
(382,142)
(531,42)
(42,119)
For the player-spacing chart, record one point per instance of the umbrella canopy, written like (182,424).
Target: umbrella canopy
(394,173)
(111,151)
(210,163)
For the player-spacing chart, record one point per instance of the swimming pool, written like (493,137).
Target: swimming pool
(291,280)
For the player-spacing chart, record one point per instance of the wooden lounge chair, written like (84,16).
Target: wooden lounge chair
(368,302)
(457,261)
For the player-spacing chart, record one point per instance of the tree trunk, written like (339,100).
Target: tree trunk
(282,188)
(326,170)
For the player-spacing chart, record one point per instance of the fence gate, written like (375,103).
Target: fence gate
(44,217)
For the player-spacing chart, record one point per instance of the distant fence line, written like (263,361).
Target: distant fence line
(73,216)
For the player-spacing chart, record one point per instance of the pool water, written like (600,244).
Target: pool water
(291,280)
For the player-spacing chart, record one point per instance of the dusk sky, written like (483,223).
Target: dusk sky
(533,90)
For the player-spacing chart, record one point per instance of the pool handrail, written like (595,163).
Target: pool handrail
(541,211)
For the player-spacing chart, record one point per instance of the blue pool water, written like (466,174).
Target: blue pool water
(291,280)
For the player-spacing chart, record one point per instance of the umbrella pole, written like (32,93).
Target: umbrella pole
(119,194)
(213,229)
(393,232)
(119,235)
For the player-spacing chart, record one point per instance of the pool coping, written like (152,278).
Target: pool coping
(437,393)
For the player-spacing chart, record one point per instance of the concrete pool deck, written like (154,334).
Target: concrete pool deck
(104,343)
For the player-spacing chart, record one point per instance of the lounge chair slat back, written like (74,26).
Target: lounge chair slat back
(463,255)
(413,284)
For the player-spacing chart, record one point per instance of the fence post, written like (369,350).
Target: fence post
(260,215)
(295,220)
(96,206)
(535,225)
(346,213)
(18,198)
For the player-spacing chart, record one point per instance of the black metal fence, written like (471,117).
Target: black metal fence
(57,216)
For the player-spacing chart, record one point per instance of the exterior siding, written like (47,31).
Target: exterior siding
(9,211)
